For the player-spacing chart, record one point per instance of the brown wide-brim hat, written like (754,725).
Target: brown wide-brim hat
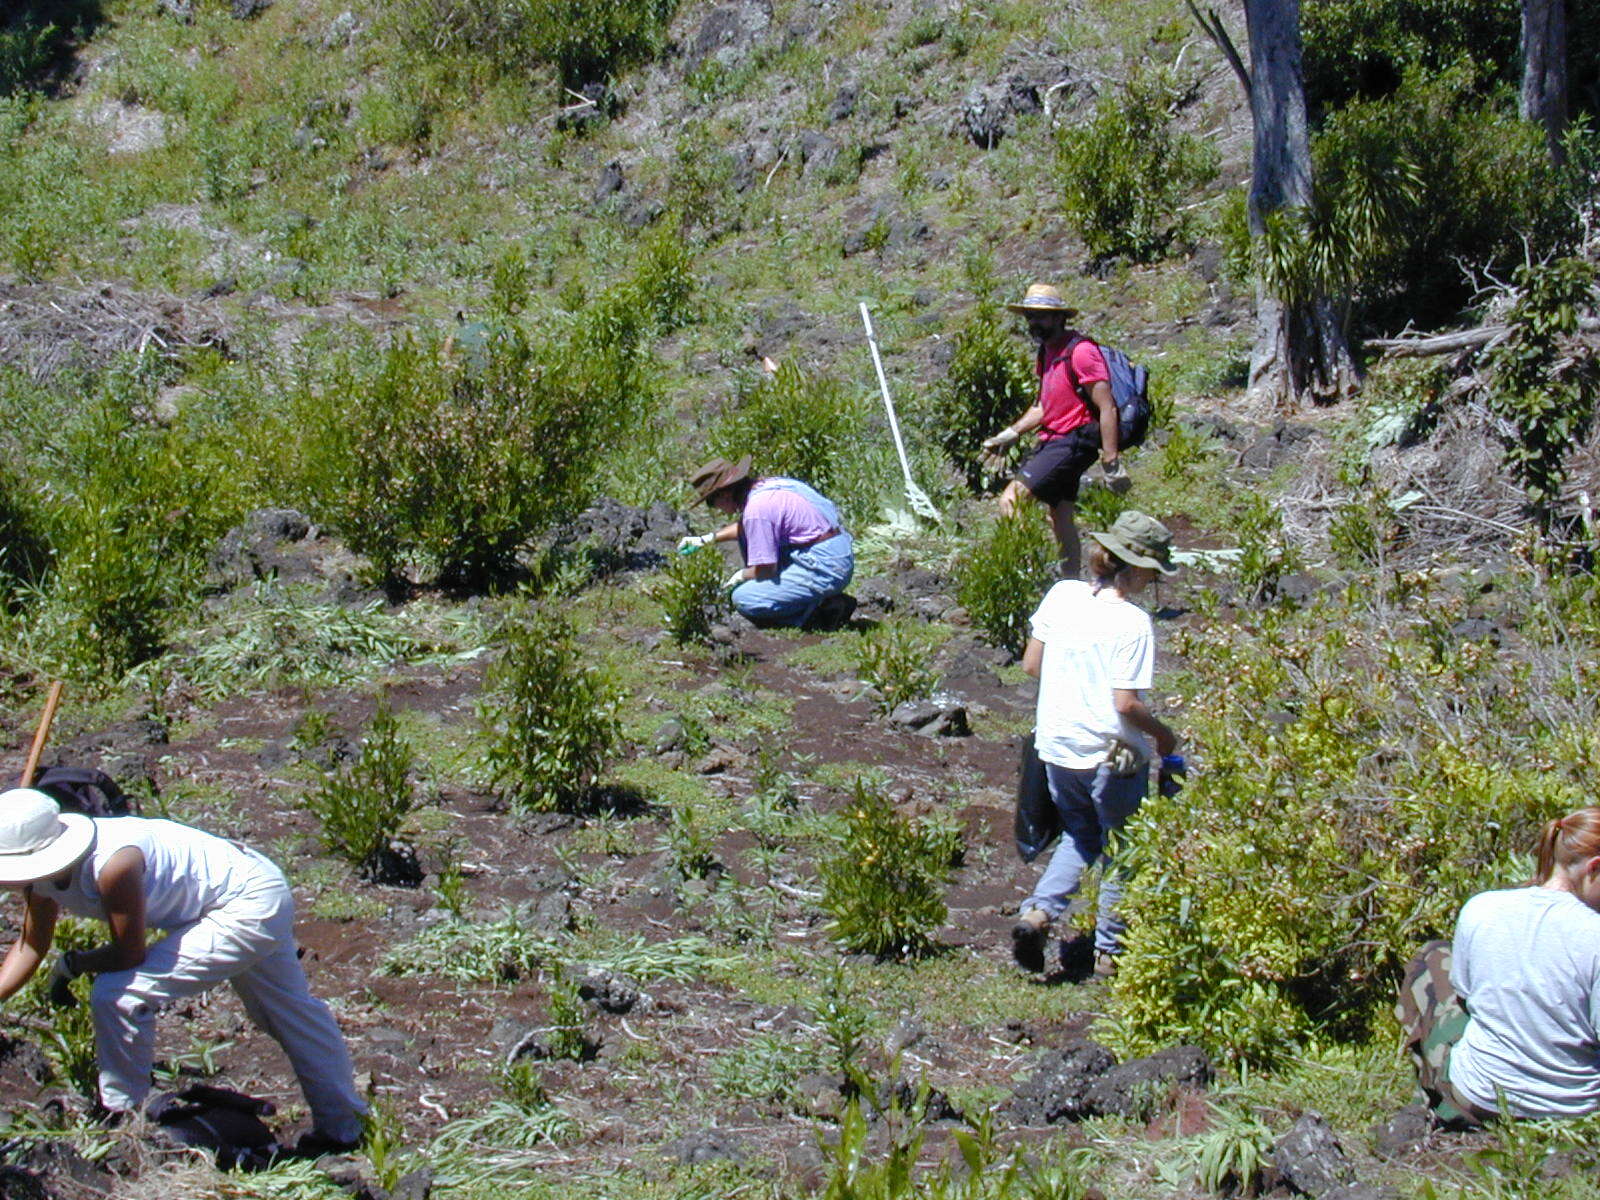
(717,474)
(1045,298)
(1139,540)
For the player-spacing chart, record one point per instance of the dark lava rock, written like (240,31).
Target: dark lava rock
(395,865)
(641,212)
(932,718)
(25,1056)
(540,1044)
(1310,1158)
(243,10)
(551,913)
(972,664)
(1476,629)
(670,736)
(1404,1132)
(611,181)
(413,1185)
(19,1184)
(1358,1191)
(706,1145)
(608,990)
(1060,1081)
(260,548)
(844,104)
(987,111)
(350,1174)
(1129,1090)
(1298,587)
(875,598)
(818,151)
(623,537)
(729,33)
(60,1162)
(598,104)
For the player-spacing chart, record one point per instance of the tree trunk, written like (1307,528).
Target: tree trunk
(1300,349)
(1544,69)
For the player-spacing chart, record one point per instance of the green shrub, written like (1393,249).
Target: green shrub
(1545,386)
(814,429)
(987,385)
(363,806)
(1277,898)
(551,720)
(1265,554)
(883,887)
(1125,174)
(586,41)
(894,660)
(1001,579)
(445,469)
(690,594)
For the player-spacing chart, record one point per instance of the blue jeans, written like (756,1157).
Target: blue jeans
(1092,804)
(804,580)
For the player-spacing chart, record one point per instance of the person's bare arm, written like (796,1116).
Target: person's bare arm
(1131,705)
(121,884)
(1032,656)
(728,533)
(33,943)
(1105,407)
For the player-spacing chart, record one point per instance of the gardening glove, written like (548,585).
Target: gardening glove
(994,449)
(61,976)
(1117,477)
(734,580)
(688,545)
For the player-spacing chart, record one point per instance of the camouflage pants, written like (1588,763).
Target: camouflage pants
(1433,1019)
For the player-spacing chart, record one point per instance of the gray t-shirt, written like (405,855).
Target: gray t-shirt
(1527,963)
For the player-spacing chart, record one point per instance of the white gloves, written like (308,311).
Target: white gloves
(734,580)
(688,545)
(994,449)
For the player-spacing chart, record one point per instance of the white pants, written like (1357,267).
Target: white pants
(248,942)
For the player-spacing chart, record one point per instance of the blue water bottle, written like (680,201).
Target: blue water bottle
(1173,770)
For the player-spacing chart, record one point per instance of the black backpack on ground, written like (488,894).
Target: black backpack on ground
(85,790)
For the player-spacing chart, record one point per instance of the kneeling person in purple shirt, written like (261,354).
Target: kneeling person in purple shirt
(795,549)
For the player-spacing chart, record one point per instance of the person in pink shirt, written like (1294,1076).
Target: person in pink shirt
(797,554)
(1075,415)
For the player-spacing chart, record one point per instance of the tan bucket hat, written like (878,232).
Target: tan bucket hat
(37,839)
(1043,297)
(718,474)
(1140,540)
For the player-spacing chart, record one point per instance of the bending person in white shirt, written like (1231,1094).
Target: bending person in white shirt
(227,914)
(1092,651)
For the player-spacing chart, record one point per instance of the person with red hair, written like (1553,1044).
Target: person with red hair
(1505,1019)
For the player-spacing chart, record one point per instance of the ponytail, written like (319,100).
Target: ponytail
(1565,842)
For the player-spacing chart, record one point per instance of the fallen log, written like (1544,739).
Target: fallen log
(1462,339)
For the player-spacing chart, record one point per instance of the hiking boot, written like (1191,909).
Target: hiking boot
(315,1143)
(1105,964)
(1028,937)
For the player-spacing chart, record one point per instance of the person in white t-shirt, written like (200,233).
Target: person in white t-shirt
(1506,1018)
(1092,651)
(227,914)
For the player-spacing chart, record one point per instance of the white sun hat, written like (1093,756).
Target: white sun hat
(37,839)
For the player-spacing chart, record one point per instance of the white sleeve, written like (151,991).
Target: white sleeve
(1041,625)
(1133,661)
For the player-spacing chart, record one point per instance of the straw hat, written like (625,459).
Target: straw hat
(37,839)
(1139,540)
(1043,297)
(718,474)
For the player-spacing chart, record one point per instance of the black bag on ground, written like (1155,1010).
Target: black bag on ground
(85,790)
(221,1120)
(1038,822)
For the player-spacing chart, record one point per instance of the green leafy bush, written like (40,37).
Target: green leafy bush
(1001,579)
(362,808)
(1125,173)
(550,719)
(1541,382)
(1265,554)
(883,888)
(894,660)
(586,41)
(1277,898)
(811,428)
(690,594)
(446,469)
(987,385)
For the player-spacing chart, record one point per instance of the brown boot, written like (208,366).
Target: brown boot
(1028,937)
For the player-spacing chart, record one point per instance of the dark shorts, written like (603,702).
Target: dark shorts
(1052,472)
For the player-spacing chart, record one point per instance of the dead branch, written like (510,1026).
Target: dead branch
(1212,26)
(1461,339)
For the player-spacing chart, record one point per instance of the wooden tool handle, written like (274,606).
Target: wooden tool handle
(51,702)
